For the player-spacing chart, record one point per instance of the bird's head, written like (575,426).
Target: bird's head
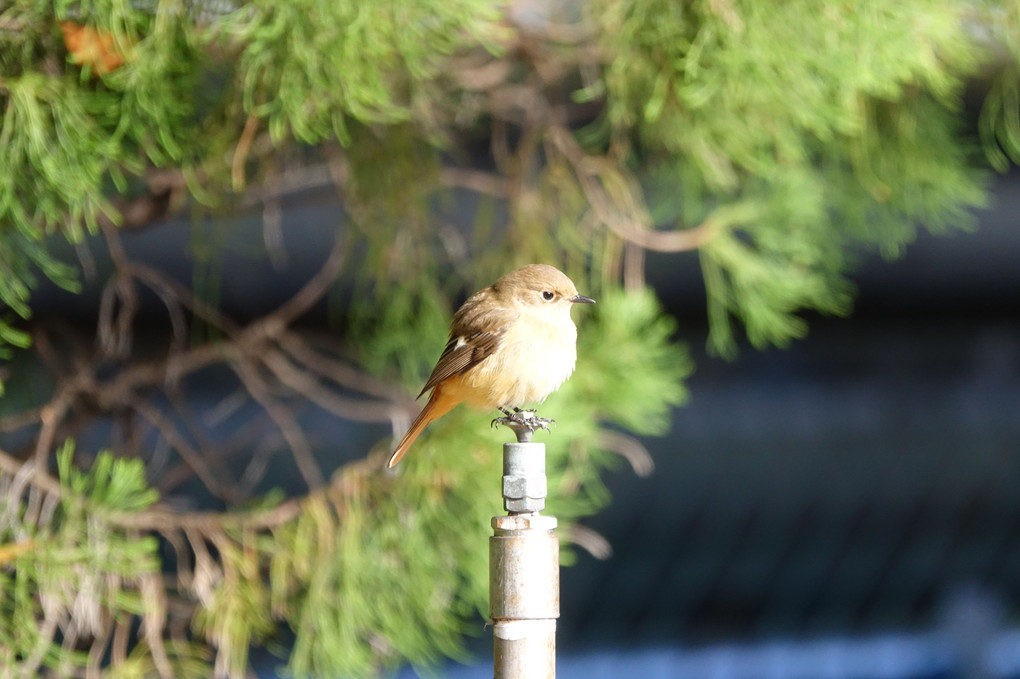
(540,289)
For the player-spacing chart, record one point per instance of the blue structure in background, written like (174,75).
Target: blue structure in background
(900,656)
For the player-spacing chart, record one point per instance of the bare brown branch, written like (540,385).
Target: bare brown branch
(589,540)
(633,223)
(311,293)
(338,371)
(192,457)
(251,125)
(284,418)
(486,183)
(303,383)
(629,448)
(16,421)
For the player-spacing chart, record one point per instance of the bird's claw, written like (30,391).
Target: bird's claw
(523,422)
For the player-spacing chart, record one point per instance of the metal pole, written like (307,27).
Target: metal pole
(524,570)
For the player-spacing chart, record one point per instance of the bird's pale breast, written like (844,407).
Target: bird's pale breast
(532,361)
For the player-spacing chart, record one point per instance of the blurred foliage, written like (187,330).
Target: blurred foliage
(825,127)
(801,132)
(65,566)
(780,140)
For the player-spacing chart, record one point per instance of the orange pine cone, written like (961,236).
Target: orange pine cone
(91,47)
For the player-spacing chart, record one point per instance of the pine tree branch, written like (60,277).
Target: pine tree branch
(33,475)
(154,622)
(248,350)
(16,421)
(98,648)
(50,416)
(284,419)
(168,522)
(589,540)
(629,448)
(219,488)
(343,374)
(215,456)
(310,293)
(632,224)
(237,173)
(302,382)
(487,183)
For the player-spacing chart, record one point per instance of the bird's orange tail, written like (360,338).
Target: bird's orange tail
(439,404)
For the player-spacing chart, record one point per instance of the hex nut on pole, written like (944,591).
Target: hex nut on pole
(524,482)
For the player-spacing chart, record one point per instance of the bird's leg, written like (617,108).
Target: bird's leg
(529,414)
(506,419)
(523,423)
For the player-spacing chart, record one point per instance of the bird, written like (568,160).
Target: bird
(510,344)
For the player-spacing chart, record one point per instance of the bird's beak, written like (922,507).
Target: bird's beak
(581,299)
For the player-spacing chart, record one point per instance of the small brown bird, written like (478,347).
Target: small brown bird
(510,343)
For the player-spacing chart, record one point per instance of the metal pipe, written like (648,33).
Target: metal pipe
(524,574)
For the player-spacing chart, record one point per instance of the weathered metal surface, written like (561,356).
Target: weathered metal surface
(524,482)
(524,649)
(524,569)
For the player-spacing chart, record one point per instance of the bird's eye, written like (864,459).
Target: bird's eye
(547,295)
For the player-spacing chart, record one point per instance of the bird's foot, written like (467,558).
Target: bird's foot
(522,418)
(523,423)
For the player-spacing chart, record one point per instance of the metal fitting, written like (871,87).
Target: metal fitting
(524,569)
(524,482)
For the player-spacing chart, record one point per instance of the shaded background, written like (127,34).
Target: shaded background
(863,482)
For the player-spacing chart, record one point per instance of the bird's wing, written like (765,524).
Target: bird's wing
(474,337)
